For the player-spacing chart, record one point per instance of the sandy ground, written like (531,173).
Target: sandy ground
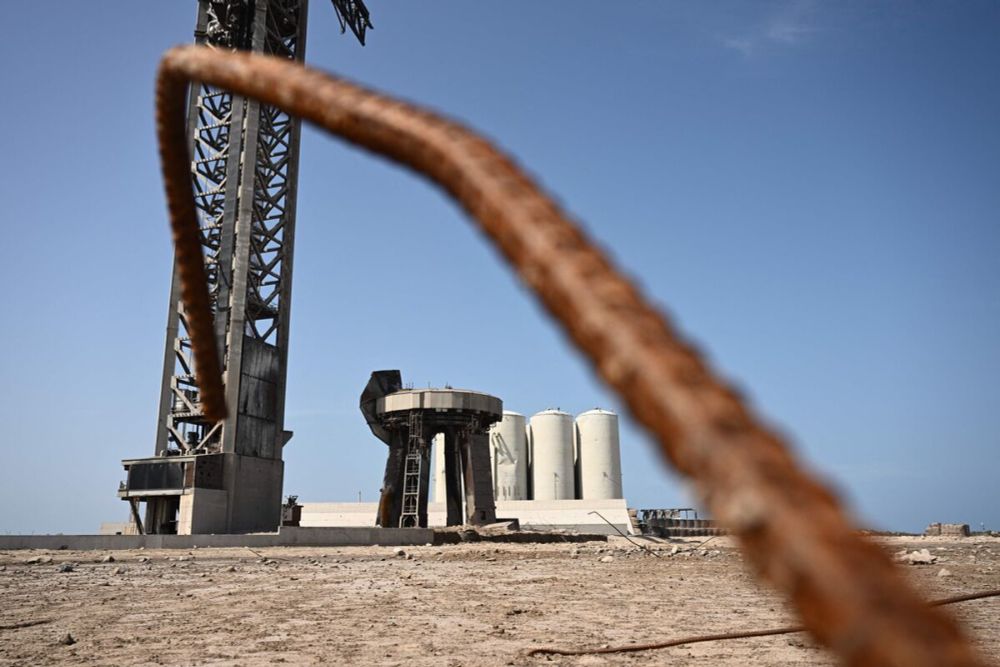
(467,604)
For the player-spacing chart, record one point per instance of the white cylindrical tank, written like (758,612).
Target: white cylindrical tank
(509,452)
(552,455)
(599,455)
(440,489)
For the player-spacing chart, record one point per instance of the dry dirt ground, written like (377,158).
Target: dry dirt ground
(466,604)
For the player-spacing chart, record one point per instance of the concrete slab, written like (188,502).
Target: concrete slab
(286,537)
(574,515)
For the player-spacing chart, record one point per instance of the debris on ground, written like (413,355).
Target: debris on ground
(918,557)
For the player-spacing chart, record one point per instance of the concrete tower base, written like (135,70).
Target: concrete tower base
(201,494)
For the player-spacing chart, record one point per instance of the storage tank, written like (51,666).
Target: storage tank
(509,452)
(598,455)
(552,455)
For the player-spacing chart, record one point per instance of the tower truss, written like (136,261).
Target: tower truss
(244,163)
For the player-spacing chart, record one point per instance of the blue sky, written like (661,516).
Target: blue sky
(809,189)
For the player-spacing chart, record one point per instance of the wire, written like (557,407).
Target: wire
(625,536)
(634,648)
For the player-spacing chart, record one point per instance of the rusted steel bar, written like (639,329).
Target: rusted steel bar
(791,527)
(199,320)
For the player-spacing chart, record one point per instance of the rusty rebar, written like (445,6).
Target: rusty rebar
(791,527)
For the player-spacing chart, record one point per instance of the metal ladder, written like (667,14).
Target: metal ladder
(410,515)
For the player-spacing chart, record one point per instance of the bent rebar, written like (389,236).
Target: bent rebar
(792,528)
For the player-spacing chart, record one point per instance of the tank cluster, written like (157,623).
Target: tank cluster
(554,457)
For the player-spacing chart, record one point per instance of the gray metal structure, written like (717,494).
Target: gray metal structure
(407,420)
(244,169)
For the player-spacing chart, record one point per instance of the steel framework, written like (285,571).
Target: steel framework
(244,163)
(243,169)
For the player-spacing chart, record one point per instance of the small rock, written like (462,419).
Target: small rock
(143,559)
(399,553)
(118,570)
(66,567)
(230,569)
(67,640)
(108,559)
(944,572)
(607,559)
(675,550)
(919,557)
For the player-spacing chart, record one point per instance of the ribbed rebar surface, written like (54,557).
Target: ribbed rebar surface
(792,529)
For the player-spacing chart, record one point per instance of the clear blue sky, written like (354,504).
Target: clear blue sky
(811,189)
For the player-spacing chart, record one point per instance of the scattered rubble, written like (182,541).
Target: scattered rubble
(918,557)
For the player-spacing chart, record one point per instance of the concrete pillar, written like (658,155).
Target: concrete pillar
(440,486)
(391,500)
(480,508)
(453,472)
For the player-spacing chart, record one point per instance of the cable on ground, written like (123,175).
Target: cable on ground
(696,639)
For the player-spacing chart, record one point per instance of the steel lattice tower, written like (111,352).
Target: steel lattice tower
(227,476)
(244,164)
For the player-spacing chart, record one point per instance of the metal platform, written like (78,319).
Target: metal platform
(407,420)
